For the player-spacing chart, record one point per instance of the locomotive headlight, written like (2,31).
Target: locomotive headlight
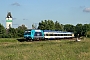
(27,35)
(38,34)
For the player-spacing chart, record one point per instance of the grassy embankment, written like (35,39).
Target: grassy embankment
(11,49)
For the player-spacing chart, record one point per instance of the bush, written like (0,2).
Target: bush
(88,34)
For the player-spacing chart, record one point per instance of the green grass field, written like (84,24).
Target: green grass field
(12,49)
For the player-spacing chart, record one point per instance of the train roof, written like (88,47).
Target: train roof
(32,29)
(56,31)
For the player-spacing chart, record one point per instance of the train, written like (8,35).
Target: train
(37,34)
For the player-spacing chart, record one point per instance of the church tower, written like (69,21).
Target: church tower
(8,20)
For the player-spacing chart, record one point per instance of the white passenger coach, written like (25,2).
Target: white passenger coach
(49,34)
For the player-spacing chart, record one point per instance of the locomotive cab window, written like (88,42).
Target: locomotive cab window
(38,34)
(27,32)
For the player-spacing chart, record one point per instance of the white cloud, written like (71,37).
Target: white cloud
(15,4)
(82,6)
(86,9)
(14,18)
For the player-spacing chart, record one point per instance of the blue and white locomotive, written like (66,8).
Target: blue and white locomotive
(32,34)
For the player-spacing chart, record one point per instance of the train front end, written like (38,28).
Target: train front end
(34,34)
(38,35)
(27,34)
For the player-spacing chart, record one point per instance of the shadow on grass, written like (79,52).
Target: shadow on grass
(28,40)
(21,39)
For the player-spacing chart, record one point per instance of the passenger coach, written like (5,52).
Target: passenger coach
(49,34)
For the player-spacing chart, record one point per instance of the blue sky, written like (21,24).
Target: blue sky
(33,11)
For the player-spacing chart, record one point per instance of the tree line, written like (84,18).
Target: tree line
(79,29)
(12,32)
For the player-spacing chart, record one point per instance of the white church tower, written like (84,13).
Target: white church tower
(8,20)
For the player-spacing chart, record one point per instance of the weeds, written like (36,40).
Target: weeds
(11,49)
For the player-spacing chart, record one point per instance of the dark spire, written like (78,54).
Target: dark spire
(9,15)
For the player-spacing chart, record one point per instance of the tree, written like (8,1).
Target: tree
(41,25)
(34,26)
(85,28)
(58,26)
(88,34)
(50,25)
(12,33)
(79,30)
(20,30)
(2,30)
(69,28)
(46,25)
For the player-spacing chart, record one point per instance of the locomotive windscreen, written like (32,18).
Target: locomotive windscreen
(27,32)
(38,34)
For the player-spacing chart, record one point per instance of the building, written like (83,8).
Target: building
(9,20)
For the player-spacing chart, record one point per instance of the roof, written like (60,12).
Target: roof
(56,31)
(31,29)
(9,15)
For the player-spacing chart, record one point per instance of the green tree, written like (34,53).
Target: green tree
(85,28)
(20,30)
(33,26)
(2,30)
(46,25)
(78,30)
(88,34)
(58,26)
(12,33)
(69,28)
(41,25)
(50,25)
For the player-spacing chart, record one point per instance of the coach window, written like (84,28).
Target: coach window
(61,34)
(70,34)
(55,34)
(65,34)
(51,34)
(46,34)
